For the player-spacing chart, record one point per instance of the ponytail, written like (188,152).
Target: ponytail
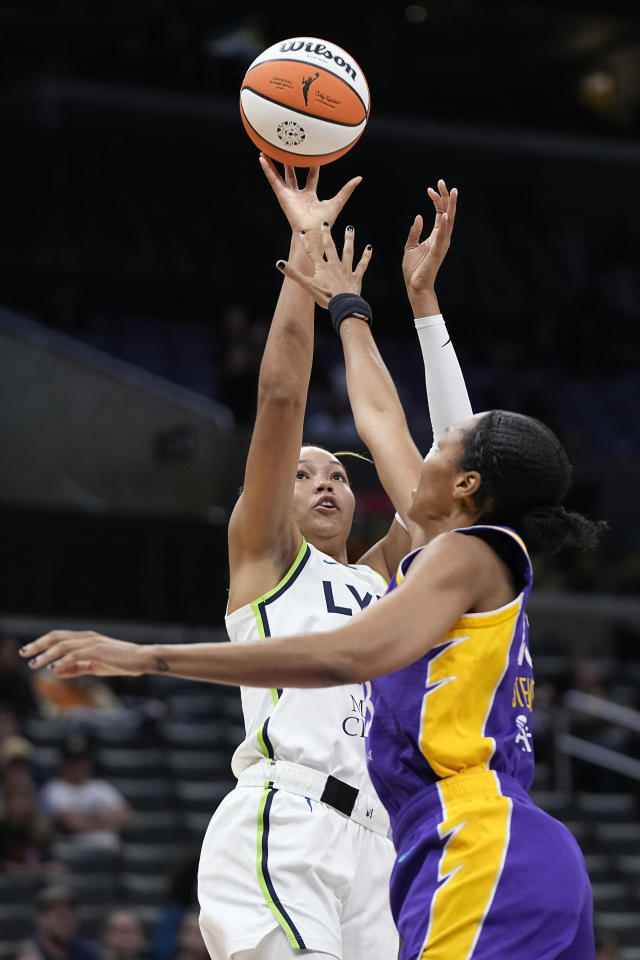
(525,475)
(552,528)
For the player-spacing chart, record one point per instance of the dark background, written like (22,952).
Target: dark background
(136,219)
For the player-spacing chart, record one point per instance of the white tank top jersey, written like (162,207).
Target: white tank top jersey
(323,728)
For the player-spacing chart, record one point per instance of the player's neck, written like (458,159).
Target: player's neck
(433,527)
(333,547)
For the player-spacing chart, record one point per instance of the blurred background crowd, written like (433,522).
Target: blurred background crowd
(137,282)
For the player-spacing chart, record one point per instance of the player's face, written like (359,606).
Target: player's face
(439,493)
(323,502)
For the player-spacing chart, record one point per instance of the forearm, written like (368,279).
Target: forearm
(372,393)
(378,414)
(288,353)
(447,394)
(265,665)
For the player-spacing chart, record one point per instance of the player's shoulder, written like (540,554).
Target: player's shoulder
(459,543)
(454,553)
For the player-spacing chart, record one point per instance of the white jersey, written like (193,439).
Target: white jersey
(323,728)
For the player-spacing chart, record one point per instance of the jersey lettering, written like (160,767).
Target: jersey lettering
(333,607)
(523,692)
(361,601)
(331,604)
(353,725)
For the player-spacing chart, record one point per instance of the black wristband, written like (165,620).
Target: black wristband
(345,305)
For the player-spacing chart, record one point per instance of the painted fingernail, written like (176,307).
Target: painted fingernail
(369,247)
(280,264)
(32,662)
(349,227)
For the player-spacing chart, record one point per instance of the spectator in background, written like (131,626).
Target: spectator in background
(90,703)
(191,946)
(18,760)
(182,898)
(586,676)
(25,835)
(9,724)
(607,948)
(88,813)
(55,930)
(83,699)
(16,755)
(123,936)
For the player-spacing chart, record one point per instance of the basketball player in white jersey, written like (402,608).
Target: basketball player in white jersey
(297,857)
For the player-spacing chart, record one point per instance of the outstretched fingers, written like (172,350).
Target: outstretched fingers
(451,207)
(68,666)
(344,193)
(328,246)
(363,263)
(415,232)
(271,173)
(347,249)
(312,179)
(294,274)
(49,648)
(444,202)
(290,177)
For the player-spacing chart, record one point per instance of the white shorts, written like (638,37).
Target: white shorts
(272,857)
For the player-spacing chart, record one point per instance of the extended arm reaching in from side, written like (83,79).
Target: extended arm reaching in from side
(453,575)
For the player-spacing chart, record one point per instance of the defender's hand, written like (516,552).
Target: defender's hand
(422,260)
(332,275)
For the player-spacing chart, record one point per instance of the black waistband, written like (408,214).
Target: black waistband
(339,795)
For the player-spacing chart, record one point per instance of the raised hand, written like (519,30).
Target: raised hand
(301,205)
(422,259)
(332,274)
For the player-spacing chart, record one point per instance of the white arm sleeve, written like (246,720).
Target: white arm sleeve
(447,395)
(446,390)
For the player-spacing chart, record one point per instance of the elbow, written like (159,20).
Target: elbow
(281,396)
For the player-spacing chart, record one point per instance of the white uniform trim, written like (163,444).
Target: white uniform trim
(305,782)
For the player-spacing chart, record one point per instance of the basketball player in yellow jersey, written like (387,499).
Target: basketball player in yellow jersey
(297,857)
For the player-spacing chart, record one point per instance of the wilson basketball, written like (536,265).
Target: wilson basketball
(304,101)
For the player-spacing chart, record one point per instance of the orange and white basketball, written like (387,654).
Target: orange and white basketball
(304,101)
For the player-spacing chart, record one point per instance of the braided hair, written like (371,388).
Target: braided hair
(525,477)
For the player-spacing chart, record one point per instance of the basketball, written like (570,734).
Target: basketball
(304,101)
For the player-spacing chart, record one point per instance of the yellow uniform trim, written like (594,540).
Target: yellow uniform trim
(461,683)
(476,822)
